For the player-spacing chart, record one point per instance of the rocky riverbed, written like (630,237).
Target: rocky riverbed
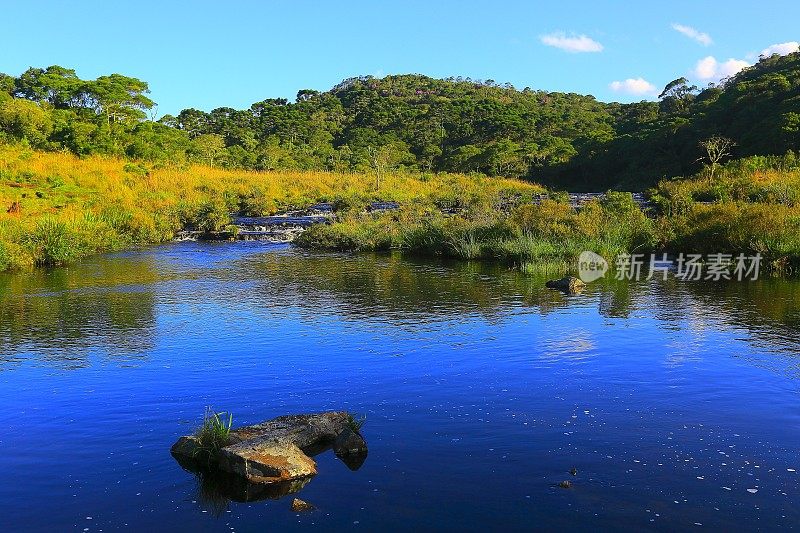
(286,226)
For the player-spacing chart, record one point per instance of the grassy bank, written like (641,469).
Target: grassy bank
(522,235)
(750,206)
(72,207)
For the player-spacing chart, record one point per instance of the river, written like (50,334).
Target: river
(677,403)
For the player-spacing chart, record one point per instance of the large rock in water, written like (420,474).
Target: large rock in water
(275,451)
(568,284)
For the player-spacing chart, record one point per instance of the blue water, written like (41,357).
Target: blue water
(678,403)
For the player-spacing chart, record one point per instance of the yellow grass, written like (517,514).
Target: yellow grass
(108,203)
(85,182)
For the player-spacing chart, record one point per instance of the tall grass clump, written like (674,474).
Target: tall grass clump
(52,243)
(213,434)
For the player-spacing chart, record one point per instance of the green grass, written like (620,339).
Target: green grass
(355,423)
(753,208)
(550,233)
(213,434)
(74,207)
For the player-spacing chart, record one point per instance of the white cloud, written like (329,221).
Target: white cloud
(709,68)
(781,48)
(634,86)
(572,43)
(700,37)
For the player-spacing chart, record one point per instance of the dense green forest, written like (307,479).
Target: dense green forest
(414,122)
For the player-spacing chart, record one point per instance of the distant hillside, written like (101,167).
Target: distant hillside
(412,121)
(758,109)
(415,122)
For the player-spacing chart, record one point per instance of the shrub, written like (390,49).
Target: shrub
(550,219)
(212,215)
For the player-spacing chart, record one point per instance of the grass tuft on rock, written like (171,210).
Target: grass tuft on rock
(356,422)
(214,433)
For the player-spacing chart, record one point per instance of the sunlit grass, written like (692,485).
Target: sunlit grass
(549,233)
(73,207)
(213,434)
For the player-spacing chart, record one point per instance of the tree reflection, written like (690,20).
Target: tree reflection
(57,314)
(110,302)
(402,290)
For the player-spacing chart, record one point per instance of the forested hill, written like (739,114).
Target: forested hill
(412,121)
(758,109)
(415,122)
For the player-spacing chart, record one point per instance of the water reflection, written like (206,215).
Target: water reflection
(402,289)
(216,489)
(654,391)
(58,315)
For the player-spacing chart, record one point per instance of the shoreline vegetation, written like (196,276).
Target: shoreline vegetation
(58,207)
(749,206)
(85,167)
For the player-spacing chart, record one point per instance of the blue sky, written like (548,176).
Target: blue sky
(208,54)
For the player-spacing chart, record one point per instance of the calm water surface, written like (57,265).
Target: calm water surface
(677,403)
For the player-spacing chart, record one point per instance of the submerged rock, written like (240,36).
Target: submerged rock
(350,448)
(568,284)
(300,506)
(219,488)
(566,484)
(276,451)
(349,442)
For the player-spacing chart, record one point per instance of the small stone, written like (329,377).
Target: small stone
(568,284)
(300,506)
(566,484)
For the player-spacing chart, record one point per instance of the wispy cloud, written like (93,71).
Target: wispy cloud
(700,37)
(781,48)
(633,86)
(709,69)
(571,43)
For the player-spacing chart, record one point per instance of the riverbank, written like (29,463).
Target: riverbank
(751,206)
(522,236)
(58,208)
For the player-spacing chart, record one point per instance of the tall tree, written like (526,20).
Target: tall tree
(119,98)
